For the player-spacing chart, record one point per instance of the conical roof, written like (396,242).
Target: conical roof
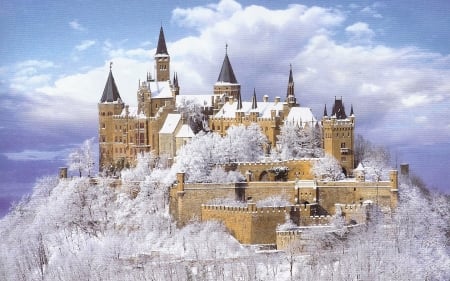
(338,109)
(162,48)
(226,73)
(254,102)
(110,93)
(239,103)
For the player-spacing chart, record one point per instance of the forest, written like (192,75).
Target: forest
(89,228)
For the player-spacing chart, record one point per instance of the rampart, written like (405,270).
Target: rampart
(287,170)
(250,224)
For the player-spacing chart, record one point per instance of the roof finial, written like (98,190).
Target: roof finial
(226,48)
(110,65)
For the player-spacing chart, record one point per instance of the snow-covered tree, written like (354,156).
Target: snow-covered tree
(244,144)
(328,168)
(376,163)
(296,141)
(194,113)
(207,150)
(145,164)
(81,159)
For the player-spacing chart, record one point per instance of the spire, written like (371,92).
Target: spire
(110,93)
(161,49)
(351,110)
(226,73)
(239,103)
(290,94)
(254,103)
(291,79)
(325,113)
(175,80)
(177,85)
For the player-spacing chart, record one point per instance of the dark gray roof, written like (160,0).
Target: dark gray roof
(226,73)
(110,93)
(254,102)
(291,78)
(239,102)
(162,48)
(339,109)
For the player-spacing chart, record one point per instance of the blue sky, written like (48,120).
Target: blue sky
(390,59)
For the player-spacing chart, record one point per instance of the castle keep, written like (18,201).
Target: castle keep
(158,125)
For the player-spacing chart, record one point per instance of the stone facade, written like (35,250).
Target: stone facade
(156,125)
(311,203)
(126,131)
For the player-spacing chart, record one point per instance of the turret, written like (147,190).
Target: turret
(176,86)
(290,95)
(338,135)
(227,84)
(110,104)
(162,59)
(254,113)
(239,109)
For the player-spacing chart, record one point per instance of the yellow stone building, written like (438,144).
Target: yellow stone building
(156,125)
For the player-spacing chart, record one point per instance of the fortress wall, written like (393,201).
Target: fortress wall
(331,193)
(186,205)
(262,190)
(249,225)
(355,213)
(297,169)
(286,238)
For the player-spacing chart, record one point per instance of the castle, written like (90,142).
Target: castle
(157,124)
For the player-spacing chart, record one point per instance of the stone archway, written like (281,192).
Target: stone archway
(264,176)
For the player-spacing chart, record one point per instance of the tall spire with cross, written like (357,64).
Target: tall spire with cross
(162,59)
(290,94)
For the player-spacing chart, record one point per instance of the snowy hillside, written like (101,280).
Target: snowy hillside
(85,229)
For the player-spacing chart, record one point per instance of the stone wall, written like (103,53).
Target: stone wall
(249,225)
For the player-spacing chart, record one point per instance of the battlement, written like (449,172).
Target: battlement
(246,117)
(251,208)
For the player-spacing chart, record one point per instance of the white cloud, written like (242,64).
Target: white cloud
(372,10)
(414,100)
(391,89)
(34,155)
(201,15)
(75,25)
(360,32)
(84,45)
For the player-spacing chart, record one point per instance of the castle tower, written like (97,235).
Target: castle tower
(162,59)
(254,113)
(110,104)
(144,98)
(338,135)
(290,95)
(176,86)
(226,85)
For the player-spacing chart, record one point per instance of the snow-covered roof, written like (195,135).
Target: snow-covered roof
(132,112)
(300,116)
(202,100)
(359,168)
(264,108)
(170,124)
(160,89)
(185,132)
